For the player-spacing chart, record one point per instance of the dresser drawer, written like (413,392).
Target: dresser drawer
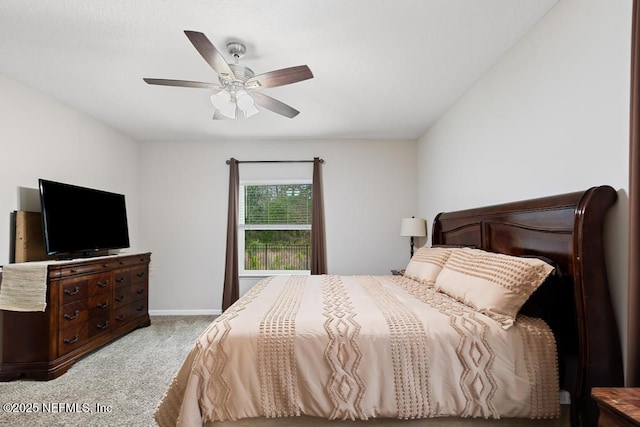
(99,304)
(128,312)
(131,260)
(72,314)
(128,295)
(122,278)
(99,324)
(84,268)
(73,290)
(71,338)
(139,274)
(100,284)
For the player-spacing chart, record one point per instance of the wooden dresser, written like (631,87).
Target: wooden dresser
(619,406)
(90,302)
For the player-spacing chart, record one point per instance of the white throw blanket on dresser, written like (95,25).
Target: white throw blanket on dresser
(24,286)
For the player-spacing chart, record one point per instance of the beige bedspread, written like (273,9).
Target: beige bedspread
(360,347)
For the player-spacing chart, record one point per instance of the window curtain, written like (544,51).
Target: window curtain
(318,246)
(633,319)
(231,290)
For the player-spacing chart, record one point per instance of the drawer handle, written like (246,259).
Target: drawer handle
(104,325)
(72,340)
(121,318)
(74,270)
(105,265)
(73,292)
(71,316)
(120,279)
(140,308)
(120,298)
(103,304)
(140,291)
(103,284)
(141,274)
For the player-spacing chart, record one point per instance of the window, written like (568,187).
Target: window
(274,229)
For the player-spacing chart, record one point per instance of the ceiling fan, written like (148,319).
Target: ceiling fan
(238,91)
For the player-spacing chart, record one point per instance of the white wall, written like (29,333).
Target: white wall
(552,116)
(368,187)
(41,138)
(179,191)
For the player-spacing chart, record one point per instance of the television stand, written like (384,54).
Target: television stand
(90,302)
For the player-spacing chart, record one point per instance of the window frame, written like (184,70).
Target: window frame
(242,227)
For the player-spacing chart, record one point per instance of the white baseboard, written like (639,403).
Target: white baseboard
(213,312)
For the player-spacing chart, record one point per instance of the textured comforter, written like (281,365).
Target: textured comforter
(357,347)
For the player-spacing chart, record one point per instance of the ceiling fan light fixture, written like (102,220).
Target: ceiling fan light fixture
(223,103)
(232,105)
(246,103)
(220,99)
(250,112)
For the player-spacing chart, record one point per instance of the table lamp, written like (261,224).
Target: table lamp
(413,227)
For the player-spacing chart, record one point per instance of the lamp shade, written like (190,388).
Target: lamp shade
(246,103)
(415,227)
(223,102)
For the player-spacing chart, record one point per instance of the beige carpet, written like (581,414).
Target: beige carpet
(128,376)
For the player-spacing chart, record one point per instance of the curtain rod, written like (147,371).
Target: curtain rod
(275,161)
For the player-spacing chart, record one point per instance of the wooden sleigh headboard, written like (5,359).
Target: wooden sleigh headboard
(567,229)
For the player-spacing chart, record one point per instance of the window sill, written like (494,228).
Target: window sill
(268,274)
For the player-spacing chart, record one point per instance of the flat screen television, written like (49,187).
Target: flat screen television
(81,220)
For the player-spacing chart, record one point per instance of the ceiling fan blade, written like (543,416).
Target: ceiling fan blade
(210,54)
(282,77)
(181,83)
(274,105)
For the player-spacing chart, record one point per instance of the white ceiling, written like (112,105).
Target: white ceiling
(383,68)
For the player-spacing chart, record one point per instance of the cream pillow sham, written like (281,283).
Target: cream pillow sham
(494,284)
(426,264)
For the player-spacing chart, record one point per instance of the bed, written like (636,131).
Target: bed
(426,346)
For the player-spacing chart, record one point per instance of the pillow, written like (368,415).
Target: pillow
(426,263)
(496,285)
